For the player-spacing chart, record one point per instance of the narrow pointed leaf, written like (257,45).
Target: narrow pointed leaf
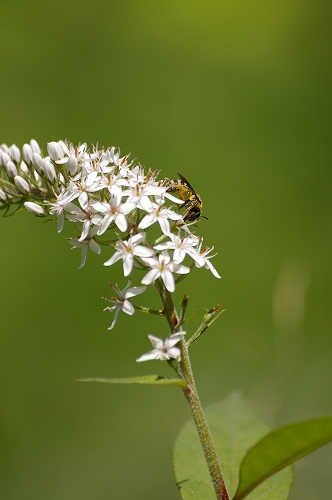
(144,380)
(280,448)
(234,431)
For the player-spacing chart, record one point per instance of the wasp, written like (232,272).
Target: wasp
(192,201)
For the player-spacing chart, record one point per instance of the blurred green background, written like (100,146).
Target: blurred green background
(237,97)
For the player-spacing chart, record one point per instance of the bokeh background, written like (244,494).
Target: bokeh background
(237,97)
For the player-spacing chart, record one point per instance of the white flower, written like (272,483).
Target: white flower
(80,190)
(140,193)
(88,217)
(162,215)
(162,267)
(115,211)
(121,302)
(63,202)
(126,250)
(113,183)
(163,350)
(207,264)
(181,247)
(85,245)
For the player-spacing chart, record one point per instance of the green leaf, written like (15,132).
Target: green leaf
(234,431)
(280,448)
(145,380)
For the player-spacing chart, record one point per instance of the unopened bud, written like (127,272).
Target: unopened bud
(3,196)
(27,153)
(15,153)
(55,151)
(24,167)
(72,165)
(21,184)
(38,163)
(4,158)
(35,146)
(34,208)
(49,171)
(11,169)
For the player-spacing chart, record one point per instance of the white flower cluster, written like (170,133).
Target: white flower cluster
(100,191)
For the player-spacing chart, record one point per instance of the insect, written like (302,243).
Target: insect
(192,201)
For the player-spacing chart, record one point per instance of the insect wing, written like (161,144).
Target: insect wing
(187,183)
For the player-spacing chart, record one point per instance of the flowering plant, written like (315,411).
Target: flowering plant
(113,202)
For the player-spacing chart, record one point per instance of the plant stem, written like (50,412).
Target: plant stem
(193,398)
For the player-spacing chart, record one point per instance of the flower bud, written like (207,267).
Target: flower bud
(55,151)
(34,208)
(49,170)
(24,167)
(21,184)
(4,158)
(72,165)
(11,169)
(3,196)
(4,148)
(38,163)
(15,153)
(35,146)
(27,153)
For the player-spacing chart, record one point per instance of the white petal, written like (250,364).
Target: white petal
(93,245)
(156,342)
(148,356)
(85,230)
(128,308)
(172,198)
(146,203)
(194,254)
(142,251)
(115,257)
(174,352)
(147,221)
(168,245)
(173,339)
(212,269)
(150,277)
(137,238)
(114,319)
(105,223)
(164,225)
(179,255)
(83,200)
(134,290)
(83,256)
(61,220)
(127,207)
(168,280)
(128,261)
(121,222)
(177,268)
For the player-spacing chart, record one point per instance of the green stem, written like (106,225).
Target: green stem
(193,398)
